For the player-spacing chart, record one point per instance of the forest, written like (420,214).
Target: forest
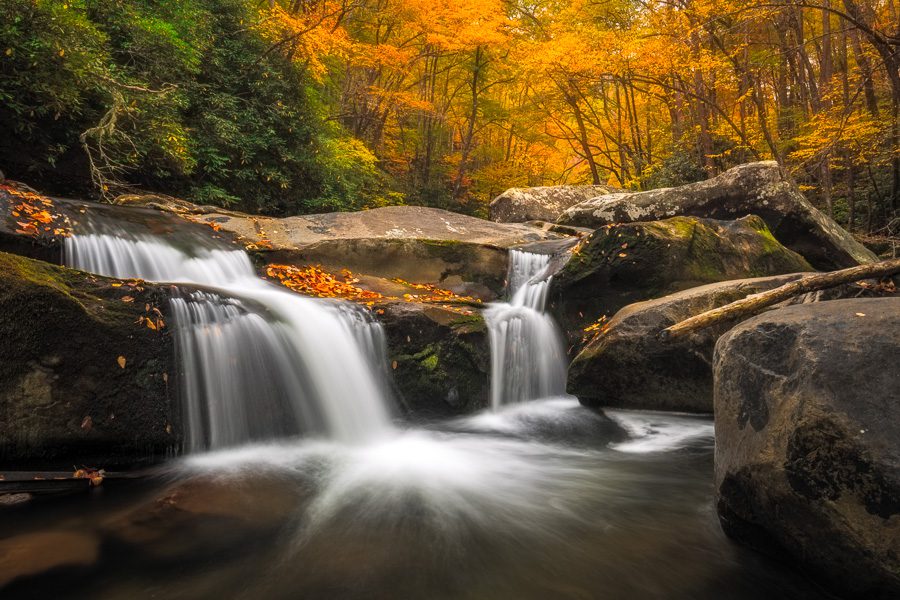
(450,299)
(286,107)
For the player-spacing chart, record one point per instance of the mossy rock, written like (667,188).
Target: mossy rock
(440,359)
(65,399)
(621,264)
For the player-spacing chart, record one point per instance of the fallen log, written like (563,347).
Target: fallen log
(756,302)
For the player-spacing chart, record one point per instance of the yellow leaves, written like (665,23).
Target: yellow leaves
(8,52)
(309,35)
(121,362)
(598,327)
(153,320)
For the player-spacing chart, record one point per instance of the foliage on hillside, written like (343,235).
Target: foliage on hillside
(300,105)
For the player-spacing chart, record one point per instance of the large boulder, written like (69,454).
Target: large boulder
(426,245)
(622,264)
(440,358)
(626,364)
(83,378)
(807,403)
(762,189)
(517,205)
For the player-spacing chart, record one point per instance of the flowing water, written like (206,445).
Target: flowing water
(535,500)
(257,361)
(527,356)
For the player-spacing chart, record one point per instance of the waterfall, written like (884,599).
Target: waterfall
(527,356)
(256,361)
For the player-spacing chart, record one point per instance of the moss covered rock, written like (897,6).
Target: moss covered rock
(440,359)
(761,188)
(621,264)
(83,379)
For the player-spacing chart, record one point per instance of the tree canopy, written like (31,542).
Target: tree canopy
(287,106)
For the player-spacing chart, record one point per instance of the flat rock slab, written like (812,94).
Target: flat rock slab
(387,223)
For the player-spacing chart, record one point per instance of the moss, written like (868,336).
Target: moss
(430,362)
(67,328)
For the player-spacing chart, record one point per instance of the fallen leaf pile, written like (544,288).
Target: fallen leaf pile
(33,214)
(315,281)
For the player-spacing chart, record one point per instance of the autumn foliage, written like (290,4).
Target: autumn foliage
(317,282)
(34,214)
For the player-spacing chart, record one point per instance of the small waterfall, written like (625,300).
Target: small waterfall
(257,361)
(527,357)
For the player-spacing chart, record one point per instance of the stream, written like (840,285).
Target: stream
(300,480)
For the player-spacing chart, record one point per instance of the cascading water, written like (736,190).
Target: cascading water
(257,362)
(527,357)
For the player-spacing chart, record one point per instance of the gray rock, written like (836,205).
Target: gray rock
(807,403)
(415,243)
(762,189)
(626,365)
(622,264)
(517,205)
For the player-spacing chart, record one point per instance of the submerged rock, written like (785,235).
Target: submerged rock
(83,378)
(762,189)
(622,264)
(807,402)
(440,359)
(517,205)
(31,554)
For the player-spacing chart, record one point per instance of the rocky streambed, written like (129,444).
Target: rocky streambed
(807,458)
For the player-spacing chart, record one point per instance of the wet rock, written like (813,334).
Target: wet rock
(415,243)
(807,403)
(626,365)
(517,205)
(63,334)
(622,264)
(762,189)
(205,514)
(35,553)
(440,359)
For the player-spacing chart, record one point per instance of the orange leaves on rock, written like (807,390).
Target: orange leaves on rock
(153,319)
(433,293)
(94,475)
(33,215)
(314,281)
(121,361)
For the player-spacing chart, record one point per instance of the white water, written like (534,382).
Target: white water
(527,356)
(257,362)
